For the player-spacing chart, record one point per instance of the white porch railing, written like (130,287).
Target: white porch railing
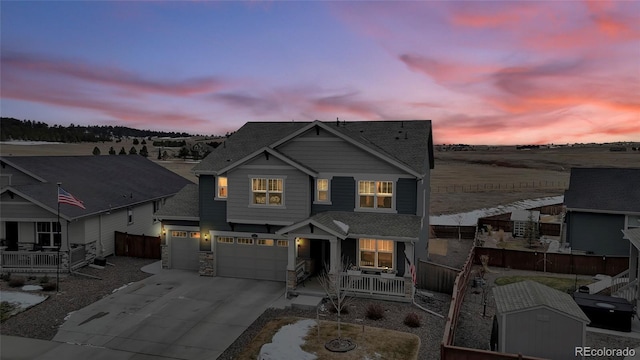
(28,259)
(373,285)
(621,287)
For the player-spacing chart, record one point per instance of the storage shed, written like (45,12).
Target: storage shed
(520,219)
(536,320)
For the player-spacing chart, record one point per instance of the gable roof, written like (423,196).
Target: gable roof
(185,205)
(408,143)
(103,182)
(614,190)
(525,295)
(344,224)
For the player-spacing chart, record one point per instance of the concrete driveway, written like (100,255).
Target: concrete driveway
(174,314)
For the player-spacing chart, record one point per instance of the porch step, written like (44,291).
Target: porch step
(306,302)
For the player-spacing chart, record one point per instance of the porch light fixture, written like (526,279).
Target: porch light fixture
(206,237)
(254,236)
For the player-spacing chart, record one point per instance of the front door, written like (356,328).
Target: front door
(11,229)
(321,255)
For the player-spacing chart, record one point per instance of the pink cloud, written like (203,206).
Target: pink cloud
(445,71)
(109,76)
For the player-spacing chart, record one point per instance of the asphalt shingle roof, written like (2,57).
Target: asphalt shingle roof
(405,141)
(529,294)
(101,182)
(373,224)
(185,204)
(604,189)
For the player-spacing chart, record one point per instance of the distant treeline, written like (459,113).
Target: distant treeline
(14,129)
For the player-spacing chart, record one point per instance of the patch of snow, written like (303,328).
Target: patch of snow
(24,142)
(287,341)
(68,316)
(121,287)
(22,300)
(471,218)
(344,227)
(31,288)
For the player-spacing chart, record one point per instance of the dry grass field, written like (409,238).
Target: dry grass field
(461,180)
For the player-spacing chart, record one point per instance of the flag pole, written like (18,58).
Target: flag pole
(59,236)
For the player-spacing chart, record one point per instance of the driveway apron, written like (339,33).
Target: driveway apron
(174,314)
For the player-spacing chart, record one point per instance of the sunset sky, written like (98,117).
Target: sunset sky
(485,72)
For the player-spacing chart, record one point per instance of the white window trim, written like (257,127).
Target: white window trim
(394,185)
(130,218)
(52,233)
(627,223)
(393,255)
(316,200)
(217,190)
(282,204)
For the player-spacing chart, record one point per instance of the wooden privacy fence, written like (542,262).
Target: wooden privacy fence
(554,262)
(436,277)
(549,229)
(456,188)
(448,351)
(451,231)
(140,246)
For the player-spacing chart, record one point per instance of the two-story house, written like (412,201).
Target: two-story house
(278,199)
(601,202)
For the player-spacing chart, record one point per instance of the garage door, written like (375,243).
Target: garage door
(252,259)
(184,251)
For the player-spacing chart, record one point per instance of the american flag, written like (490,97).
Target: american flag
(412,268)
(66,198)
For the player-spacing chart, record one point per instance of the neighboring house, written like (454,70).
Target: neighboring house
(523,219)
(282,200)
(600,203)
(536,320)
(120,193)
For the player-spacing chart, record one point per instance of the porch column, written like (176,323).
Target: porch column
(335,250)
(291,255)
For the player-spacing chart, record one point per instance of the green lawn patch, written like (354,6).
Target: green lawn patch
(559,283)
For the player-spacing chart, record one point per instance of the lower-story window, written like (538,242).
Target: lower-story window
(48,234)
(376,253)
(225,239)
(283,243)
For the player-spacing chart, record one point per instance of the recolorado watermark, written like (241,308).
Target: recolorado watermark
(588,351)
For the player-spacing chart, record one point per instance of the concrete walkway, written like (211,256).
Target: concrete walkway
(171,315)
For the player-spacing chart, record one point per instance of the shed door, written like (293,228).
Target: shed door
(251,261)
(184,251)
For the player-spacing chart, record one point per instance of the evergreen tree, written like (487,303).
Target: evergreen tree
(96,151)
(144,152)
(136,142)
(133,151)
(122,151)
(144,142)
(184,152)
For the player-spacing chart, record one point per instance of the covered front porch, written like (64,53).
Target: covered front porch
(371,265)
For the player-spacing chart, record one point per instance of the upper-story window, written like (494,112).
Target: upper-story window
(322,190)
(222,187)
(267,191)
(375,194)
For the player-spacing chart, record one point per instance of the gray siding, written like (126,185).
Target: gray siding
(406,196)
(19,210)
(17,176)
(324,152)
(297,198)
(543,333)
(343,195)
(597,233)
(213,213)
